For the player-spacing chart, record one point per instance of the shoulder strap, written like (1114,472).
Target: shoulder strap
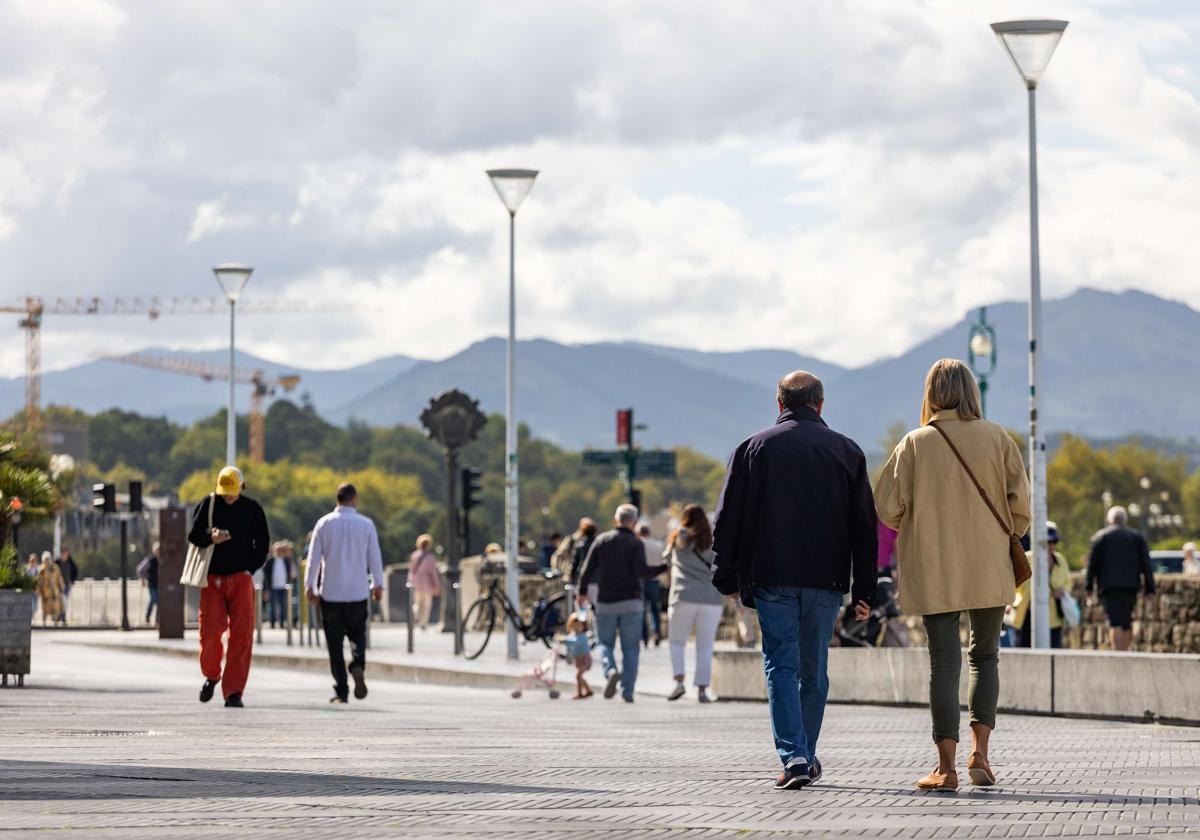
(982,493)
(212,503)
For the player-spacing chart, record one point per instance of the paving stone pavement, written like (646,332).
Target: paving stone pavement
(112,744)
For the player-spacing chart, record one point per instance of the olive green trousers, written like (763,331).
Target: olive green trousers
(945,669)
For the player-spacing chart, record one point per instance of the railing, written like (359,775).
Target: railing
(97,603)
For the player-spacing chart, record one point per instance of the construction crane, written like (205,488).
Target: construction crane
(33,309)
(263,387)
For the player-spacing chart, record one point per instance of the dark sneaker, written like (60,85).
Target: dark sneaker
(627,699)
(206,690)
(234,701)
(360,683)
(610,688)
(793,777)
(815,771)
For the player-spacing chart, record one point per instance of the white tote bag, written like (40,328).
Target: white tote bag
(1072,615)
(195,568)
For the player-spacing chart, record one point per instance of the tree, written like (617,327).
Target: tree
(26,488)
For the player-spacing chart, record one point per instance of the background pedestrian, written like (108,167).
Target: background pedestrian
(1118,567)
(425,580)
(695,602)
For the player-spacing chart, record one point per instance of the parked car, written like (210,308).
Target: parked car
(1167,561)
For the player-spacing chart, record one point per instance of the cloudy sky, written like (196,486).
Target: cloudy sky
(837,178)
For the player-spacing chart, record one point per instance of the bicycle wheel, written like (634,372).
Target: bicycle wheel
(553,617)
(480,617)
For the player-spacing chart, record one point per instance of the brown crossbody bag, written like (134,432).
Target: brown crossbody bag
(1020,563)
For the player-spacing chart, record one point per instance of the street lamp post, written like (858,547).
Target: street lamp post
(981,353)
(512,185)
(233,278)
(1030,43)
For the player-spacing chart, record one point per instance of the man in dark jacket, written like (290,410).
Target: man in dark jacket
(1119,565)
(616,565)
(239,534)
(796,520)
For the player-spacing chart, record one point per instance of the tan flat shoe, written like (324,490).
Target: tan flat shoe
(944,782)
(980,771)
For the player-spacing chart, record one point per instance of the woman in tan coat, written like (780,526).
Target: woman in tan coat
(953,556)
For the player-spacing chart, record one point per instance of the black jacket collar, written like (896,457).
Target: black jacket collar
(800,414)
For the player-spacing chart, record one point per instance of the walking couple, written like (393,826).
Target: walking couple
(796,530)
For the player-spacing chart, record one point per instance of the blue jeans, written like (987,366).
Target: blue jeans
(630,625)
(278,607)
(797,625)
(152,606)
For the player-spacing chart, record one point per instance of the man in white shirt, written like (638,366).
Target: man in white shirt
(344,549)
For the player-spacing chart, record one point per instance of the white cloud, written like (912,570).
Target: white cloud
(837,178)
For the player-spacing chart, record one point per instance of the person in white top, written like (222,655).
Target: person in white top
(277,575)
(343,552)
(1191,563)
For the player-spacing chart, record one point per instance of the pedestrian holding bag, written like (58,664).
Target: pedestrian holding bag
(1069,607)
(195,567)
(1020,563)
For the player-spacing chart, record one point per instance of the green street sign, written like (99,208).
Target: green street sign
(599,458)
(655,463)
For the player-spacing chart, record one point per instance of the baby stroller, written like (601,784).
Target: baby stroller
(542,675)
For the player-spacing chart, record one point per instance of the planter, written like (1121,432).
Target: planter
(16,632)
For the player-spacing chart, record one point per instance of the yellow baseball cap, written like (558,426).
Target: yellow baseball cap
(230,482)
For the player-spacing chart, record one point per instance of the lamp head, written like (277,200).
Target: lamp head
(1030,43)
(233,278)
(512,185)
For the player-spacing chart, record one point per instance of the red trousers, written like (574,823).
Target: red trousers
(227,603)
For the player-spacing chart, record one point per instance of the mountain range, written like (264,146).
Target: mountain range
(1113,364)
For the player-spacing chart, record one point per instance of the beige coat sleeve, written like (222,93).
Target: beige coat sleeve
(893,492)
(1018,488)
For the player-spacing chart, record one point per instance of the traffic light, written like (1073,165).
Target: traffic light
(472,486)
(625,427)
(635,498)
(135,497)
(104,498)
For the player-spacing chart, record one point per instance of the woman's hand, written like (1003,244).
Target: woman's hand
(861,611)
(1059,592)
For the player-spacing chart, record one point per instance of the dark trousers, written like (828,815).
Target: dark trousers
(652,593)
(342,620)
(1026,635)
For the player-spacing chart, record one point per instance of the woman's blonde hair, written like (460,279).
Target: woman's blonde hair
(950,385)
(424,542)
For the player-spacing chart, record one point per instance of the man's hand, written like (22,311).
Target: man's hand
(219,536)
(313,597)
(377,593)
(581,600)
(861,611)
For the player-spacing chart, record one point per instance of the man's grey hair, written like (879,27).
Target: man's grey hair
(626,515)
(1117,515)
(807,396)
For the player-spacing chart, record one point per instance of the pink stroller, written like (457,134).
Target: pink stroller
(542,675)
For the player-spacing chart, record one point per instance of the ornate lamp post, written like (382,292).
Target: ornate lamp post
(1030,43)
(512,185)
(452,419)
(981,353)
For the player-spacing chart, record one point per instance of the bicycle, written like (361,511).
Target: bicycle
(547,617)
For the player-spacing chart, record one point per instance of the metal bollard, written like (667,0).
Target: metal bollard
(288,614)
(258,614)
(408,616)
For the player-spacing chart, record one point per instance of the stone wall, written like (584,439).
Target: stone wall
(1166,622)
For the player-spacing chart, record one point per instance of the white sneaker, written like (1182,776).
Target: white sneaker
(677,692)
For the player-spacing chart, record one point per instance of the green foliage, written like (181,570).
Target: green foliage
(12,573)
(25,484)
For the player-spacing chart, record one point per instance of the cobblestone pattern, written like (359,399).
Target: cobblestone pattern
(108,744)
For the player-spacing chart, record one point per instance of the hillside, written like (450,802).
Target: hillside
(1114,365)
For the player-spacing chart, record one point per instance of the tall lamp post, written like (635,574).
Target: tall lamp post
(1030,43)
(233,278)
(512,185)
(981,353)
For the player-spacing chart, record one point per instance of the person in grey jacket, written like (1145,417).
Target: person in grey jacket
(695,602)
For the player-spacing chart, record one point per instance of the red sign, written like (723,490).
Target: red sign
(624,426)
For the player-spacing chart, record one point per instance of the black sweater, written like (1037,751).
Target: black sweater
(249,540)
(617,562)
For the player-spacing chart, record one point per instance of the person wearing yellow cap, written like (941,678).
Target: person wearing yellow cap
(241,543)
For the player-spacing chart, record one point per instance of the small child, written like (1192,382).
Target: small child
(579,648)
